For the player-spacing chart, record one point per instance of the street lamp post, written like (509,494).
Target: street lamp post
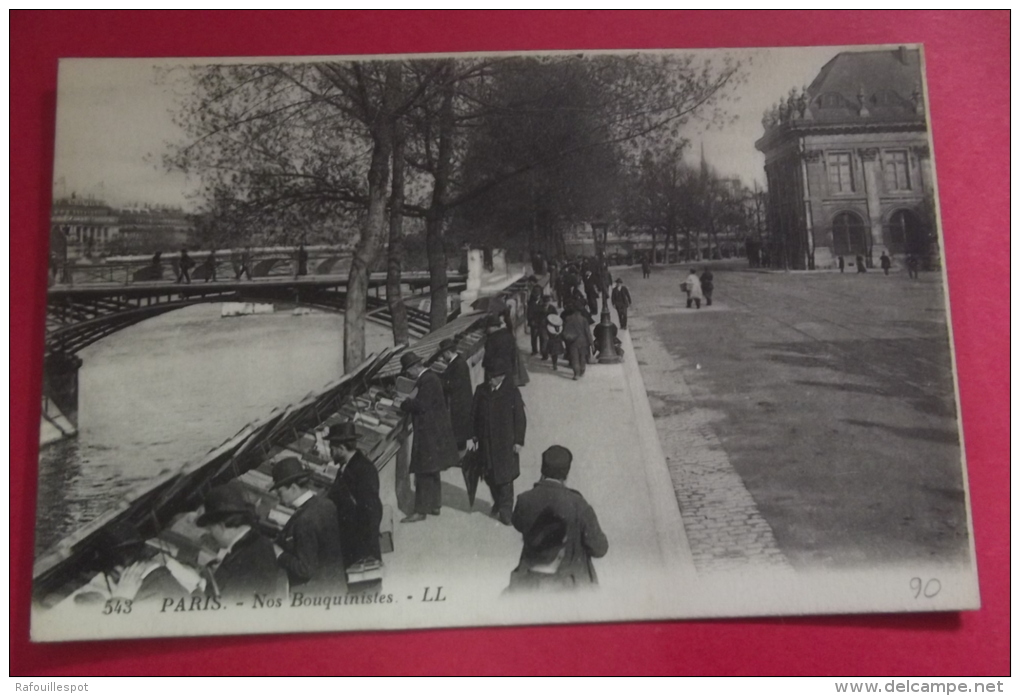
(605,332)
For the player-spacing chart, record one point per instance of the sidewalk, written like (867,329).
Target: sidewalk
(605,420)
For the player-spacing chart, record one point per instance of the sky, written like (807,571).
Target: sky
(114,119)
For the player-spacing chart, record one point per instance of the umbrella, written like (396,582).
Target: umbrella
(472,467)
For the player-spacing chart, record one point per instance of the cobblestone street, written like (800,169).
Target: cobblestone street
(808,420)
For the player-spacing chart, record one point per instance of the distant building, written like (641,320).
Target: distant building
(82,226)
(848,164)
(88,227)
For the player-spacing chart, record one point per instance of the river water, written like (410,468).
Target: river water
(164,392)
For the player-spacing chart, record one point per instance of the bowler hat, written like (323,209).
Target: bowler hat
(222,502)
(556,462)
(498,366)
(619,281)
(287,471)
(407,359)
(342,433)
(447,344)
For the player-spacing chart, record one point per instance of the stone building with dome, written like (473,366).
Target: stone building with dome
(848,164)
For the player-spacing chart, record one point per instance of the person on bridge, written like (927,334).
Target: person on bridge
(302,261)
(210,264)
(457,388)
(692,286)
(560,530)
(184,267)
(308,547)
(244,264)
(433,447)
(621,300)
(355,493)
(499,426)
(249,565)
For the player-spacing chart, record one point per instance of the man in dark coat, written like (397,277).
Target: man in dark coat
(457,387)
(500,346)
(707,286)
(577,338)
(646,269)
(249,566)
(536,319)
(620,298)
(310,541)
(591,291)
(355,493)
(433,447)
(560,530)
(184,267)
(499,425)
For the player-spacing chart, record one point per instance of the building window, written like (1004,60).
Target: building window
(848,235)
(841,178)
(897,170)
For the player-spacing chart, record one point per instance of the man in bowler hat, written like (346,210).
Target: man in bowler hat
(499,426)
(500,346)
(355,493)
(560,530)
(433,448)
(457,387)
(248,564)
(309,543)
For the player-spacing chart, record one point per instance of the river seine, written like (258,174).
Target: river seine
(164,392)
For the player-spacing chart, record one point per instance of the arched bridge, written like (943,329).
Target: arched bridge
(78,316)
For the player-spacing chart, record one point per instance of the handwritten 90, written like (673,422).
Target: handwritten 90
(925,588)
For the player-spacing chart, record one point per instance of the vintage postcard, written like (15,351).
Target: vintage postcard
(422,341)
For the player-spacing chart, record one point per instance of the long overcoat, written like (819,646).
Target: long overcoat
(433,448)
(499,423)
(310,541)
(583,538)
(355,492)
(457,387)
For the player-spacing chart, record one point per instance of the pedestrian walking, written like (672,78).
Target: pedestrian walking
(184,265)
(621,300)
(646,268)
(591,292)
(536,319)
(457,388)
(577,338)
(302,261)
(433,448)
(309,544)
(860,265)
(885,262)
(499,427)
(707,286)
(841,263)
(560,531)
(912,265)
(244,265)
(555,346)
(500,345)
(210,266)
(355,493)
(692,286)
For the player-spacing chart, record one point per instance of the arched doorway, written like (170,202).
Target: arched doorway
(905,233)
(849,238)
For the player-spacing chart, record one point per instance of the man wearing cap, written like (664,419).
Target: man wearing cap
(355,493)
(560,530)
(500,346)
(433,448)
(457,387)
(620,298)
(309,543)
(247,561)
(498,426)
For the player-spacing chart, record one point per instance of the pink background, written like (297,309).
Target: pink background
(968,74)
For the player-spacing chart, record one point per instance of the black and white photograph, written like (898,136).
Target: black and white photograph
(398,342)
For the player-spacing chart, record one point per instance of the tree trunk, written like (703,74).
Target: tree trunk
(435,218)
(395,251)
(374,226)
